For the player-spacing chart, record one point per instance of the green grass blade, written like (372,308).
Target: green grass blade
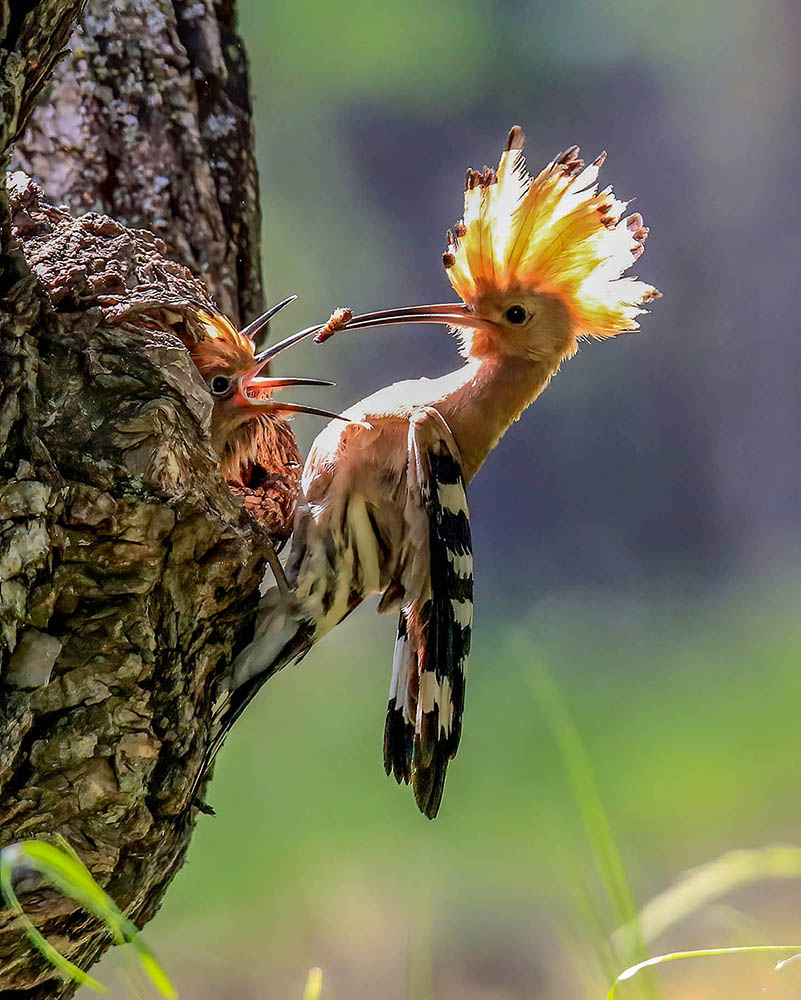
(703,885)
(61,867)
(588,800)
(314,985)
(153,970)
(594,818)
(676,956)
(8,861)
(67,872)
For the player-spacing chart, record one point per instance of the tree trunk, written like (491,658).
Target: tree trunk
(129,573)
(149,121)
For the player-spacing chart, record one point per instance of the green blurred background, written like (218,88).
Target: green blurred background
(637,533)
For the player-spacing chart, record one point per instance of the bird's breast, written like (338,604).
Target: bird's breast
(368,457)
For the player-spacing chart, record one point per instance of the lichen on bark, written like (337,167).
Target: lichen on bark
(148,120)
(129,571)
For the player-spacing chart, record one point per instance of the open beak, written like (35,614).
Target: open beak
(251,379)
(266,404)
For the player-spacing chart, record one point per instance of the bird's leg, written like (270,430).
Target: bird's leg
(278,571)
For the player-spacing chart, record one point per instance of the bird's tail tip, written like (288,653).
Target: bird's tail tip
(417,759)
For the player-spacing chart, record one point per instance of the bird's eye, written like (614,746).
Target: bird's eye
(516,314)
(220,385)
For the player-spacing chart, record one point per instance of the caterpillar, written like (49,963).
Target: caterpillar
(337,321)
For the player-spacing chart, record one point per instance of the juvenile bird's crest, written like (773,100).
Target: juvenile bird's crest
(222,346)
(555,233)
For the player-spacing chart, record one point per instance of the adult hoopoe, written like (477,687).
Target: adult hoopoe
(538,264)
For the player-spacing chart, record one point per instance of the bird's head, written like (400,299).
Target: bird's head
(537,261)
(243,399)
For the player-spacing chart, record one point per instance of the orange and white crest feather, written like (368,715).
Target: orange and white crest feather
(221,346)
(554,233)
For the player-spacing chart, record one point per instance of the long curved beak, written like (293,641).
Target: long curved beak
(447,313)
(271,384)
(316,411)
(252,330)
(266,356)
(269,405)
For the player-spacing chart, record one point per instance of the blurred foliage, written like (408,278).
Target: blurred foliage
(700,887)
(689,718)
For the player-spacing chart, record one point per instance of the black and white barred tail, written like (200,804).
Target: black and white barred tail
(426,700)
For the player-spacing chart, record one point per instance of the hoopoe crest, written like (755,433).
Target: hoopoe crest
(555,234)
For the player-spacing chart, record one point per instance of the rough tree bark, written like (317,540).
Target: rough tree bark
(148,120)
(128,571)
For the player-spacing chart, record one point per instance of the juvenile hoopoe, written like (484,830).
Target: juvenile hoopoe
(538,264)
(247,431)
(242,427)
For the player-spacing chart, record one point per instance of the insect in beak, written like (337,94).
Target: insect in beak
(265,403)
(448,314)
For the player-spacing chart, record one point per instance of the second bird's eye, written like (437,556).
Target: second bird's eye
(516,314)
(219,385)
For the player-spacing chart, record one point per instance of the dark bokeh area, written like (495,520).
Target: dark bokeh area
(637,533)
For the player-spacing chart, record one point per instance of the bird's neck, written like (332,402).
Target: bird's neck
(245,447)
(485,398)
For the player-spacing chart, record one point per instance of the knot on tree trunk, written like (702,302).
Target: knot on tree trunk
(129,572)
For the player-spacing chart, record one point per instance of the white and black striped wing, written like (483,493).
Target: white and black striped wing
(426,700)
